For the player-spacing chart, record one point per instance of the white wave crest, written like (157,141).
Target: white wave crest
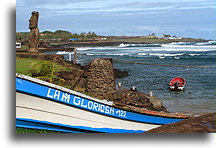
(64,52)
(180,43)
(174,45)
(165,54)
(124,45)
(194,54)
(211,41)
(143,54)
(107,54)
(83,48)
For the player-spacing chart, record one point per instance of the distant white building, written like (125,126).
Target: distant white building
(99,39)
(18,45)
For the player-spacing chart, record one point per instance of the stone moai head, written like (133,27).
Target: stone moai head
(34,33)
(33,21)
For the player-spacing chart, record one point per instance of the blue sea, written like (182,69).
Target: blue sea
(199,95)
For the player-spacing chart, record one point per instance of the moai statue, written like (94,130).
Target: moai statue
(34,34)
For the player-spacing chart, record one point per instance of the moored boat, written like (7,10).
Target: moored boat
(42,105)
(177,83)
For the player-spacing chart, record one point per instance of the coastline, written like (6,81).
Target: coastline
(69,46)
(74,44)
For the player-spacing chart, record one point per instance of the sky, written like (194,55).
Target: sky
(186,18)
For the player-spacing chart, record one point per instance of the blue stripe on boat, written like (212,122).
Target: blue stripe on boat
(36,124)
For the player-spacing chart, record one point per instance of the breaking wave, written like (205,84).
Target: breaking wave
(139,45)
(63,52)
(166,54)
(83,48)
(106,54)
(180,50)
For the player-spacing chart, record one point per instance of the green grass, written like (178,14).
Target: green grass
(28,130)
(24,65)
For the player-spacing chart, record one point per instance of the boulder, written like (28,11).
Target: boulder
(120,74)
(44,44)
(138,99)
(200,124)
(72,78)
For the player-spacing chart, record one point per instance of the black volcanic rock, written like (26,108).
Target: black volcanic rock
(120,74)
(200,124)
(138,99)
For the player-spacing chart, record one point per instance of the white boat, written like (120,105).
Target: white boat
(42,105)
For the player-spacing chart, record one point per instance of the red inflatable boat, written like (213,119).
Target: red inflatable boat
(177,83)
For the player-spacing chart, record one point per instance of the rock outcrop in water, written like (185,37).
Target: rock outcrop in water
(119,73)
(138,99)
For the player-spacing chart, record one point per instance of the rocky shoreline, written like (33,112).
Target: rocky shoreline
(98,80)
(45,46)
(202,124)
(74,44)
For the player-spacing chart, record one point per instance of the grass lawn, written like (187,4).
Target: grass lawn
(28,130)
(24,65)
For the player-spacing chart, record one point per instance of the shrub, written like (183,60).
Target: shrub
(42,68)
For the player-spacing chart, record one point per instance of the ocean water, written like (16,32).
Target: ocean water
(199,95)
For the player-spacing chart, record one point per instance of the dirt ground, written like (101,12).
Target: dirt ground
(202,124)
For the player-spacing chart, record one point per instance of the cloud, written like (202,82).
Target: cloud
(112,16)
(113,7)
(149,28)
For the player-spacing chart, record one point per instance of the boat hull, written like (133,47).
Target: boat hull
(31,108)
(176,88)
(41,105)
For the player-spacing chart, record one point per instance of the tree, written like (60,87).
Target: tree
(19,37)
(166,35)
(62,32)
(47,32)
